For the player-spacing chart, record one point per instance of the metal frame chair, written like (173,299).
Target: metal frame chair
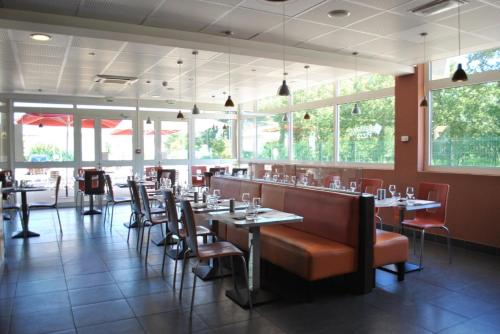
(111,199)
(45,205)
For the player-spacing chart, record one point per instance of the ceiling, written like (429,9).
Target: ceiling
(377,29)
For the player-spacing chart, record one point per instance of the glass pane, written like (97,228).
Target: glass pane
(174,140)
(482,61)
(119,174)
(313,138)
(247,138)
(116,138)
(182,175)
(213,139)
(45,137)
(465,126)
(46,177)
(315,93)
(4,144)
(88,139)
(149,140)
(272,141)
(366,82)
(367,137)
(272,102)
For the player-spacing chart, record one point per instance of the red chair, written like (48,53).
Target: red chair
(329,179)
(370,186)
(198,176)
(430,218)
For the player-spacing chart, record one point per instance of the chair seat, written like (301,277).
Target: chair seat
(11,207)
(389,248)
(421,223)
(200,231)
(42,205)
(158,211)
(119,200)
(159,219)
(218,249)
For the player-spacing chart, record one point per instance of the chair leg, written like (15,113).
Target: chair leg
(400,266)
(414,242)
(105,212)
(422,236)
(147,245)
(143,223)
(245,273)
(112,214)
(129,223)
(380,221)
(233,273)
(176,260)
(186,253)
(164,254)
(194,289)
(448,241)
(59,219)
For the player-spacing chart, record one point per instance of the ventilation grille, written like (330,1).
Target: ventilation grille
(437,7)
(114,79)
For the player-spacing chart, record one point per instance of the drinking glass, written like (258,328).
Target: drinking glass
(332,185)
(275,178)
(216,194)
(286,179)
(256,204)
(337,184)
(352,185)
(293,179)
(245,198)
(305,181)
(392,189)
(410,195)
(250,213)
(266,176)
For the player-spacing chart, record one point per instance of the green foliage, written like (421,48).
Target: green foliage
(272,102)
(216,140)
(363,83)
(272,149)
(316,93)
(176,145)
(51,152)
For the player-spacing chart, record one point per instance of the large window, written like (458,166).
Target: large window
(247,137)
(4,144)
(465,126)
(44,137)
(316,93)
(174,140)
(149,139)
(272,102)
(367,137)
(313,137)
(88,139)
(477,62)
(366,82)
(213,138)
(272,139)
(116,139)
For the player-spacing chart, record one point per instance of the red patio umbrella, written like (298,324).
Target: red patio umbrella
(62,120)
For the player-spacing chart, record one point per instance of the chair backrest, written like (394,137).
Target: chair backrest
(434,192)
(109,187)
(173,218)
(145,202)
(198,170)
(329,179)
(189,225)
(58,184)
(370,186)
(94,182)
(3,181)
(135,200)
(237,170)
(170,173)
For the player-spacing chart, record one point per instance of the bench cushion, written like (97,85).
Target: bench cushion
(389,248)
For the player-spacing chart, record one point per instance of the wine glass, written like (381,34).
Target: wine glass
(293,179)
(397,196)
(245,198)
(216,193)
(336,184)
(410,195)
(305,181)
(352,185)
(256,204)
(275,178)
(392,189)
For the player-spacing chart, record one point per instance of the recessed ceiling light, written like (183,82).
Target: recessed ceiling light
(338,13)
(91,53)
(148,81)
(40,37)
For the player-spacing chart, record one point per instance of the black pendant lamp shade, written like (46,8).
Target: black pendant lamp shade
(307,116)
(284,90)
(196,110)
(229,102)
(285,117)
(180,115)
(424,103)
(356,110)
(148,121)
(459,74)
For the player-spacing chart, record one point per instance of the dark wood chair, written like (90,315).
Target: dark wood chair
(51,205)
(235,171)
(111,200)
(93,186)
(218,249)
(7,196)
(168,173)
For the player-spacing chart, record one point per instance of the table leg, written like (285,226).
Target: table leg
(91,210)
(25,233)
(259,296)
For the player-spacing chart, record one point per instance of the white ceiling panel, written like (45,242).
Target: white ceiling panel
(405,9)
(341,39)
(34,50)
(382,4)
(491,32)
(434,31)
(128,11)
(157,50)
(482,17)
(62,7)
(292,8)
(387,23)
(235,59)
(296,31)
(320,13)
(96,44)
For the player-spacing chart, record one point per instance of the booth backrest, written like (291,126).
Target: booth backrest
(330,215)
(234,187)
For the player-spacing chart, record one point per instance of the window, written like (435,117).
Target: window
(88,139)
(272,141)
(248,138)
(465,126)
(315,93)
(45,137)
(174,140)
(46,177)
(116,139)
(366,82)
(4,144)
(482,61)
(149,140)
(213,138)
(272,102)
(313,138)
(367,137)
(119,174)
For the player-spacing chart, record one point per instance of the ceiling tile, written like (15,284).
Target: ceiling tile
(235,59)
(405,9)
(127,11)
(387,23)
(341,39)
(296,31)
(291,9)
(96,43)
(62,7)
(382,4)
(157,50)
(467,41)
(434,31)
(39,50)
(475,19)
(491,32)
(320,14)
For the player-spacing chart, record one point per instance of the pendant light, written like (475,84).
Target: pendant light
(229,102)
(195,111)
(307,116)
(148,121)
(424,103)
(180,115)
(459,74)
(356,110)
(285,117)
(284,90)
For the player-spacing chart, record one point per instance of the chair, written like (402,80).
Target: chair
(371,186)
(93,185)
(198,176)
(329,179)
(111,199)
(168,173)
(179,233)
(206,252)
(149,218)
(235,171)
(81,186)
(430,218)
(46,205)
(8,196)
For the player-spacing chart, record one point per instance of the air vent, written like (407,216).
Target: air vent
(437,7)
(114,79)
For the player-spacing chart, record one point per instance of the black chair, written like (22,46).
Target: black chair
(168,173)
(93,186)
(178,232)
(235,171)
(8,196)
(53,205)
(218,249)
(111,199)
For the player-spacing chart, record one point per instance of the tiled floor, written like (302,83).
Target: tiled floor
(89,280)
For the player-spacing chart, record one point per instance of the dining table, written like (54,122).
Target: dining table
(25,216)
(403,206)
(123,185)
(264,217)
